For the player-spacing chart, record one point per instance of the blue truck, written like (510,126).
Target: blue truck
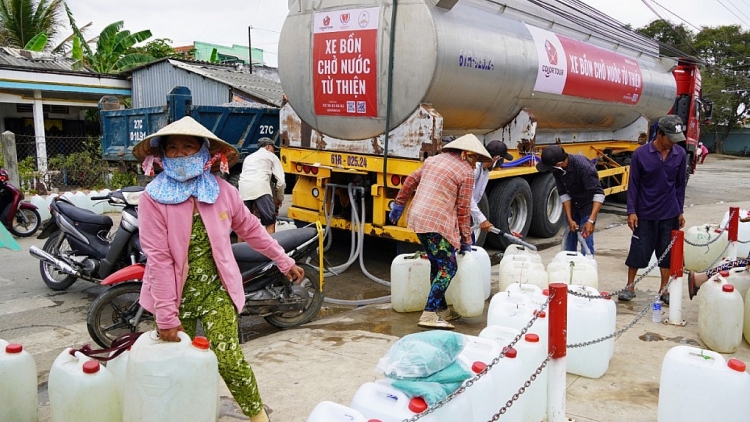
(240,126)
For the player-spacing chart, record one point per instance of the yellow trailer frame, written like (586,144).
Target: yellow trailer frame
(316,168)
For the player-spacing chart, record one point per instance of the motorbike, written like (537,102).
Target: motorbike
(79,242)
(268,293)
(20,217)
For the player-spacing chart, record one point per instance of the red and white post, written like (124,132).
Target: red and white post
(732,232)
(558,337)
(675,269)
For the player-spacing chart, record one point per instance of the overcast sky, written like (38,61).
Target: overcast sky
(226,22)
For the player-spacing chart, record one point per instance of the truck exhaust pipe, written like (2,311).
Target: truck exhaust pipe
(58,263)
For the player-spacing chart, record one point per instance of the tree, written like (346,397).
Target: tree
(114,45)
(726,80)
(673,38)
(725,53)
(158,49)
(22,20)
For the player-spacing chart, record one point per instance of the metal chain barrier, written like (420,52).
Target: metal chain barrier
(544,363)
(623,329)
(523,388)
(609,295)
(723,229)
(496,360)
(636,281)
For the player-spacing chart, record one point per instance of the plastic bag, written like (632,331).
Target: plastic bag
(437,386)
(420,355)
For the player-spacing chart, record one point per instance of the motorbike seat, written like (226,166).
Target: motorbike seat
(288,239)
(84,216)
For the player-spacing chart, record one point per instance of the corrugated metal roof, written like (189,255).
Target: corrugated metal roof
(37,61)
(263,90)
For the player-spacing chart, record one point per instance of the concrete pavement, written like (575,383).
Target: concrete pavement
(330,358)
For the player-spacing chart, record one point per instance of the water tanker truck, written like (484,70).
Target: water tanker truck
(528,73)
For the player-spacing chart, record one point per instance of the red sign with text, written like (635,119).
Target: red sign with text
(601,74)
(345,63)
(574,68)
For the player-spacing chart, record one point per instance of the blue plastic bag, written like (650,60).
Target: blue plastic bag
(422,354)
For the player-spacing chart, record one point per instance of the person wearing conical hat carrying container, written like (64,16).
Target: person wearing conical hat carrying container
(185,217)
(580,192)
(440,216)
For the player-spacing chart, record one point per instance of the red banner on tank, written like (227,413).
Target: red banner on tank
(345,63)
(570,67)
(600,74)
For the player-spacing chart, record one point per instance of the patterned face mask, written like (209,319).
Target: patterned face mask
(186,168)
(184,177)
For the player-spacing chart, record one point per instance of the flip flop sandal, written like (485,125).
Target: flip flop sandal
(692,288)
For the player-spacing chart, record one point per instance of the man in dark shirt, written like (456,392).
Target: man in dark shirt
(656,195)
(580,192)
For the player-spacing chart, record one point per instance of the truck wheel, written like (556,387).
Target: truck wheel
(547,210)
(479,235)
(510,202)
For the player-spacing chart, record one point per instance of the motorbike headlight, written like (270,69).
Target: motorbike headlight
(132,197)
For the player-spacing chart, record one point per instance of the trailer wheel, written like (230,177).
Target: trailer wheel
(479,235)
(547,210)
(510,202)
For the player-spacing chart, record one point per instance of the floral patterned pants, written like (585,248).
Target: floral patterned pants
(443,267)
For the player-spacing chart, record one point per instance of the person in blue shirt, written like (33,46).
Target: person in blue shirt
(580,192)
(656,196)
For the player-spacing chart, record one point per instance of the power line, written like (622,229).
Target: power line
(732,12)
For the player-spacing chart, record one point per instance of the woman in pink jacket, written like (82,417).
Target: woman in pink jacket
(185,219)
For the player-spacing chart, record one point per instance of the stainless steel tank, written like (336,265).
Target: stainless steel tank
(477,62)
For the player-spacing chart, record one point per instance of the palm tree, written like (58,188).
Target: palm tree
(113,52)
(22,20)
(112,45)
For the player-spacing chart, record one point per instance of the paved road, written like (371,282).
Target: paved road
(46,322)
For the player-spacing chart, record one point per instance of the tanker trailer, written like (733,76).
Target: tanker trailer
(527,73)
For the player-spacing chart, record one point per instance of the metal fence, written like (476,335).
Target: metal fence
(72,163)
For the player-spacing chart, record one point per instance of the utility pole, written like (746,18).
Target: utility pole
(250,48)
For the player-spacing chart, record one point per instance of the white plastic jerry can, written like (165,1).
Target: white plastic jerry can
(171,381)
(328,411)
(410,282)
(81,390)
(720,315)
(465,291)
(18,384)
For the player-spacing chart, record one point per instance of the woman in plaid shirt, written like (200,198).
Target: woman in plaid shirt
(440,216)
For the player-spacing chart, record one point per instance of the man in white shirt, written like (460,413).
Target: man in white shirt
(262,196)
(499,152)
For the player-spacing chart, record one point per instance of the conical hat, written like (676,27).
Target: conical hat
(470,143)
(151,145)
